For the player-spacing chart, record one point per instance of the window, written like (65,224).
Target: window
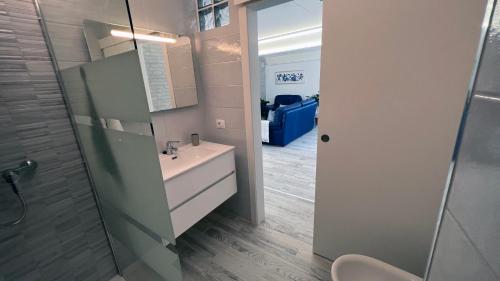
(212,13)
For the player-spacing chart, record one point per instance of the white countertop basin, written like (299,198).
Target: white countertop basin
(189,157)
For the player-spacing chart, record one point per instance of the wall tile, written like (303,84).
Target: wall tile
(221,74)
(224,49)
(487,80)
(73,12)
(68,42)
(235,137)
(234,117)
(55,241)
(218,53)
(224,96)
(177,124)
(475,193)
(455,257)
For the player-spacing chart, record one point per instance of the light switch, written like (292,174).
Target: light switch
(221,123)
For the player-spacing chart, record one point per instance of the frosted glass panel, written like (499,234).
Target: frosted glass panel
(140,256)
(112,117)
(107,100)
(116,88)
(76,94)
(127,176)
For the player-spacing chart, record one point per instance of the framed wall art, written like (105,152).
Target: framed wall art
(289,77)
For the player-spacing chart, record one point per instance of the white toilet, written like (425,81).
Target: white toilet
(363,268)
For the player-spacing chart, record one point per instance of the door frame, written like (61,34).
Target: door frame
(247,16)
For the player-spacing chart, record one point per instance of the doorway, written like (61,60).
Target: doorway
(289,52)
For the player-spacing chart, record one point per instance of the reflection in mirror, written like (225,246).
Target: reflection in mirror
(166,61)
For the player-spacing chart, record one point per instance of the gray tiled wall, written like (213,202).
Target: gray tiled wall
(62,237)
(468,246)
(64,20)
(218,54)
(219,75)
(469,240)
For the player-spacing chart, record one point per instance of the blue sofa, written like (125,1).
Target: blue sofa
(292,121)
(284,100)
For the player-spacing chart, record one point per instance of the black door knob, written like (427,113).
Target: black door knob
(325,138)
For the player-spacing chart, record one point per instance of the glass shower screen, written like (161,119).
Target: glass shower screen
(109,108)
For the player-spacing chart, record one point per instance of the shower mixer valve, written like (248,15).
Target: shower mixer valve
(12,176)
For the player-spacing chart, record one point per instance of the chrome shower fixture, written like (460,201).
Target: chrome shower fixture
(12,176)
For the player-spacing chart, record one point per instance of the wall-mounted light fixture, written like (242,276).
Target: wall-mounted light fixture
(139,36)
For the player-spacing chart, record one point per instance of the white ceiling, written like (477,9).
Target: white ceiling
(290,16)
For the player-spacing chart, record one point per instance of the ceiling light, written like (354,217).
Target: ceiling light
(138,36)
(289,35)
(268,51)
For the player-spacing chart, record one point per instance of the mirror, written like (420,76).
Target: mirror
(166,61)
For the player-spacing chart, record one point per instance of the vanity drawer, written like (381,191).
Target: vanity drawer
(183,187)
(195,209)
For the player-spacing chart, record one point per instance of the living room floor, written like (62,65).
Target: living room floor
(291,170)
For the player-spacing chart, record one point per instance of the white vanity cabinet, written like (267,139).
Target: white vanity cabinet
(197,180)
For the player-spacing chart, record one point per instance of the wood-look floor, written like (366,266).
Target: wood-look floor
(292,169)
(225,247)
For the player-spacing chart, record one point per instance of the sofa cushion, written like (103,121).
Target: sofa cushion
(278,114)
(308,101)
(285,100)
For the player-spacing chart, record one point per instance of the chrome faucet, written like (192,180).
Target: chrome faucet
(171,148)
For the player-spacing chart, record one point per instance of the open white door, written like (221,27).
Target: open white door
(394,79)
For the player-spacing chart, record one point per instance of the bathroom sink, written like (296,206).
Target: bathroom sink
(189,156)
(197,179)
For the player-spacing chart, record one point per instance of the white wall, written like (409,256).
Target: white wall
(218,54)
(307,60)
(394,76)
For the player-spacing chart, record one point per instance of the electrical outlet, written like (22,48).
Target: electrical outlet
(221,124)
